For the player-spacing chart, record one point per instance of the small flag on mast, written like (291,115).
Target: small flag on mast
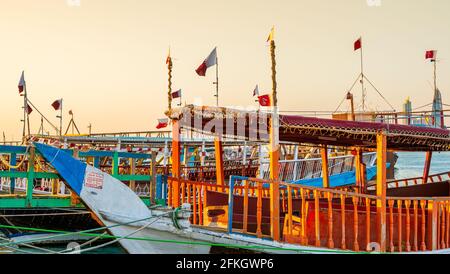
(176,94)
(210,61)
(22,82)
(271,35)
(162,123)
(256,91)
(358,44)
(29,109)
(264,100)
(431,54)
(57,104)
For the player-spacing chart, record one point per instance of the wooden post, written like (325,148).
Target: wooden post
(381,189)
(30,176)
(153,179)
(115,164)
(274,150)
(132,172)
(325,172)
(12,162)
(73,196)
(426,170)
(220,175)
(358,173)
(176,165)
(432,225)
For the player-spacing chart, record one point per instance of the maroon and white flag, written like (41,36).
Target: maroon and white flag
(264,100)
(57,105)
(210,61)
(256,91)
(22,82)
(358,44)
(176,94)
(162,123)
(431,54)
(29,109)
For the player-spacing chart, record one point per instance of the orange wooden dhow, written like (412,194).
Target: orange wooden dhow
(389,216)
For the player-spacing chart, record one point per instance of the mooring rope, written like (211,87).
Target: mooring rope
(8,165)
(249,247)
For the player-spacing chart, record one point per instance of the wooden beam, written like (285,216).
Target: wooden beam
(30,176)
(274,177)
(153,179)
(426,170)
(358,169)
(220,175)
(381,189)
(73,196)
(176,165)
(132,172)
(325,172)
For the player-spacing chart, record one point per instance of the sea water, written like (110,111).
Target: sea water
(411,164)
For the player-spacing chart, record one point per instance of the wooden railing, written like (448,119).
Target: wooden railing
(325,218)
(436,178)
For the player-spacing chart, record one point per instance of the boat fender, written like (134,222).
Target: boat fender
(374,247)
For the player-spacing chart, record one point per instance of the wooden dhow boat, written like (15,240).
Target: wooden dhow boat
(275,216)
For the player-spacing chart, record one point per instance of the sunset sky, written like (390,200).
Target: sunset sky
(106,58)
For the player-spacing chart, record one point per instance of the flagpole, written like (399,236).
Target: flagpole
(274,150)
(435,76)
(217,81)
(362,80)
(169,67)
(24,111)
(61,119)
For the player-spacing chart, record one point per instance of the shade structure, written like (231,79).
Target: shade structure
(253,126)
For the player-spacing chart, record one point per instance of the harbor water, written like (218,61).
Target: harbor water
(411,164)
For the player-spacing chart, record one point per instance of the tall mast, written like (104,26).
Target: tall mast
(274,148)
(435,76)
(217,81)
(60,119)
(169,92)
(362,80)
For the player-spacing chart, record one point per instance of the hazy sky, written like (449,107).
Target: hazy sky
(106,58)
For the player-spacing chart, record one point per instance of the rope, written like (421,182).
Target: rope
(50,214)
(119,238)
(7,164)
(255,247)
(65,233)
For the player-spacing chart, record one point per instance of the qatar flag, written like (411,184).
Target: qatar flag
(162,123)
(57,105)
(358,44)
(209,62)
(29,109)
(431,54)
(256,91)
(176,94)
(264,100)
(22,82)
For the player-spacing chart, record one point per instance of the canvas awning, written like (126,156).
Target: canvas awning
(253,125)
